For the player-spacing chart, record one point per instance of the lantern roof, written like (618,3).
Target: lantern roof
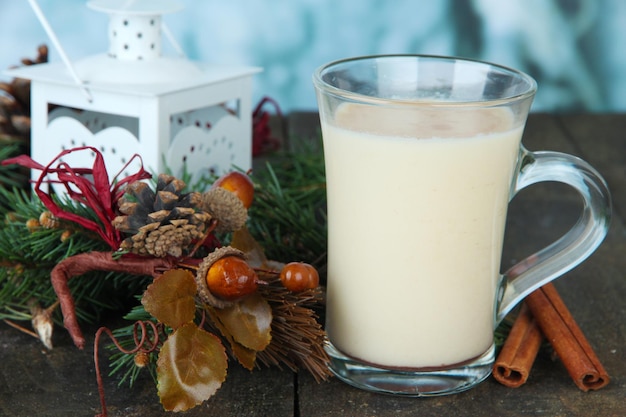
(136,7)
(56,74)
(134,61)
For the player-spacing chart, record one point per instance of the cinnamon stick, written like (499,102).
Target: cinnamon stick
(519,351)
(568,341)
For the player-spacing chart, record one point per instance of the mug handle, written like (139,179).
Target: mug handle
(573,247)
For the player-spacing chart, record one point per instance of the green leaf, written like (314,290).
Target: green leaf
(170,298)
(248,321)
(191,368)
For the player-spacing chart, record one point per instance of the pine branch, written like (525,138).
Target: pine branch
(288,220)
(29,251)
(122,363)
(11,176)
(288,216)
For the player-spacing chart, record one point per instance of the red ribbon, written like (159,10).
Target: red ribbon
(262,139)
(88,186)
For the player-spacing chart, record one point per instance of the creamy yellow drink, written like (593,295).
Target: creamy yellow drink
(414,257)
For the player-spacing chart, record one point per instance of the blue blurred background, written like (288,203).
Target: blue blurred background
(574,48)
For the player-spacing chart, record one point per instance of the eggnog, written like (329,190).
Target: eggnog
(417,201)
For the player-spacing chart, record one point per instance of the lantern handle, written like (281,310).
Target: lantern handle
(55,41)
(172,40)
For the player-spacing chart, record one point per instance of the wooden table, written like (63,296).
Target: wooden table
(62,382)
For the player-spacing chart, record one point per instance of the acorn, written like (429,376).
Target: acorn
(224,277)
(239,184)
(226,207)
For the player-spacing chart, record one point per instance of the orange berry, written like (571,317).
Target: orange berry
(32,224)
(299,276)
(238,183)
(142,359)
(230,278)
(66,235)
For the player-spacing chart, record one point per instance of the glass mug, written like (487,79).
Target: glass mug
(422,157)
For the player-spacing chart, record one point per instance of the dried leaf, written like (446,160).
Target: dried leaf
(245,356)
(42,321)
(248,321)
(245,242)
(191,368)
(170,298)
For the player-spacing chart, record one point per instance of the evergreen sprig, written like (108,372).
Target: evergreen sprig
(288,216)
(29,251)
(287,219)
(12,176)
(122,364)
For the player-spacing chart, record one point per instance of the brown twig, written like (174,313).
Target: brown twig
(297,336)
(21,328)
(96,261)
(143,344)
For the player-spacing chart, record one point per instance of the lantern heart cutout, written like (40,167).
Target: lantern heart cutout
(116,144)
(205,152)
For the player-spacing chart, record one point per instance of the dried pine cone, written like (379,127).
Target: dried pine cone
(15,102)
(161,223)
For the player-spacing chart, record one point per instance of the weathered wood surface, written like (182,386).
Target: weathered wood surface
(62,382)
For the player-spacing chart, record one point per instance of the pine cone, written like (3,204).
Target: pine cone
(161,223)
(15,102)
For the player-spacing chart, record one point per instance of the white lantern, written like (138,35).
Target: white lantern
(177,114)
